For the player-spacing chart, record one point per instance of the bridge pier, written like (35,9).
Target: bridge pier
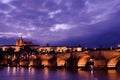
(35,63)
(24,63)
(100,64)
(4,62)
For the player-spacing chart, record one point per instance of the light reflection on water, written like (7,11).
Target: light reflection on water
(46,73)
(22,70)
(113,75)
(8,70)
(20,73)
(31,71)
(14,71)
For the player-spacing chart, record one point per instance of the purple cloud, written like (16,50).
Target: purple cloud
(57,20)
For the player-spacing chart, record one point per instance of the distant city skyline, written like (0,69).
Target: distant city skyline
(90,23)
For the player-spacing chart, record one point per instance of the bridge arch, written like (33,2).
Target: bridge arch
(45,59)
(62,59)
(83,61)
(112,63)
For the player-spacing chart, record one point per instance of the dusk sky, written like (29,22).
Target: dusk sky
(61,22)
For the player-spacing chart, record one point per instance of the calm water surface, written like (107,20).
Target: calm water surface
(17,73)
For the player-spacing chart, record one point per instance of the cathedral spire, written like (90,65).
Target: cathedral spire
(17,42)
(21,38)
(21,41)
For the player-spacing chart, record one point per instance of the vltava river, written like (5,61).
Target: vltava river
(17,73)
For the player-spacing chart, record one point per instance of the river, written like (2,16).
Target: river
(20,73)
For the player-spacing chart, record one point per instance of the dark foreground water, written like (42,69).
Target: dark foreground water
(17,73)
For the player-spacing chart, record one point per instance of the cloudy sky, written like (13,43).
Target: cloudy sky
(61,22)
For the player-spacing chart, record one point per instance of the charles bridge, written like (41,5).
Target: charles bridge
(99,58)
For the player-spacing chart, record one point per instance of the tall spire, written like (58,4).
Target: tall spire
(17,42)
(21,41)
(21,38)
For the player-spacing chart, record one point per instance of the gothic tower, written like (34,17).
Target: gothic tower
(21,43)
(17,42)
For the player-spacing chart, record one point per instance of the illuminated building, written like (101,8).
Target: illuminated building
(21,42)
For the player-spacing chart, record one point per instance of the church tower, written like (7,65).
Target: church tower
(21,43)
(17,42)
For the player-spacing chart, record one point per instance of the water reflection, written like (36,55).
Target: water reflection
(92,75)
(11,70)
(46,71)
(8,70)
(113,75)
(46,74)
(31,71)
(87,75)
(22,70)
(62,73)
(14,70)
(57,74)
(83,74)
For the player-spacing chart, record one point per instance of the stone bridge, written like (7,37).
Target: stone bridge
(101,59)
(105,58)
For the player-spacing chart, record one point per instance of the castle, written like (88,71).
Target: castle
(20,42)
